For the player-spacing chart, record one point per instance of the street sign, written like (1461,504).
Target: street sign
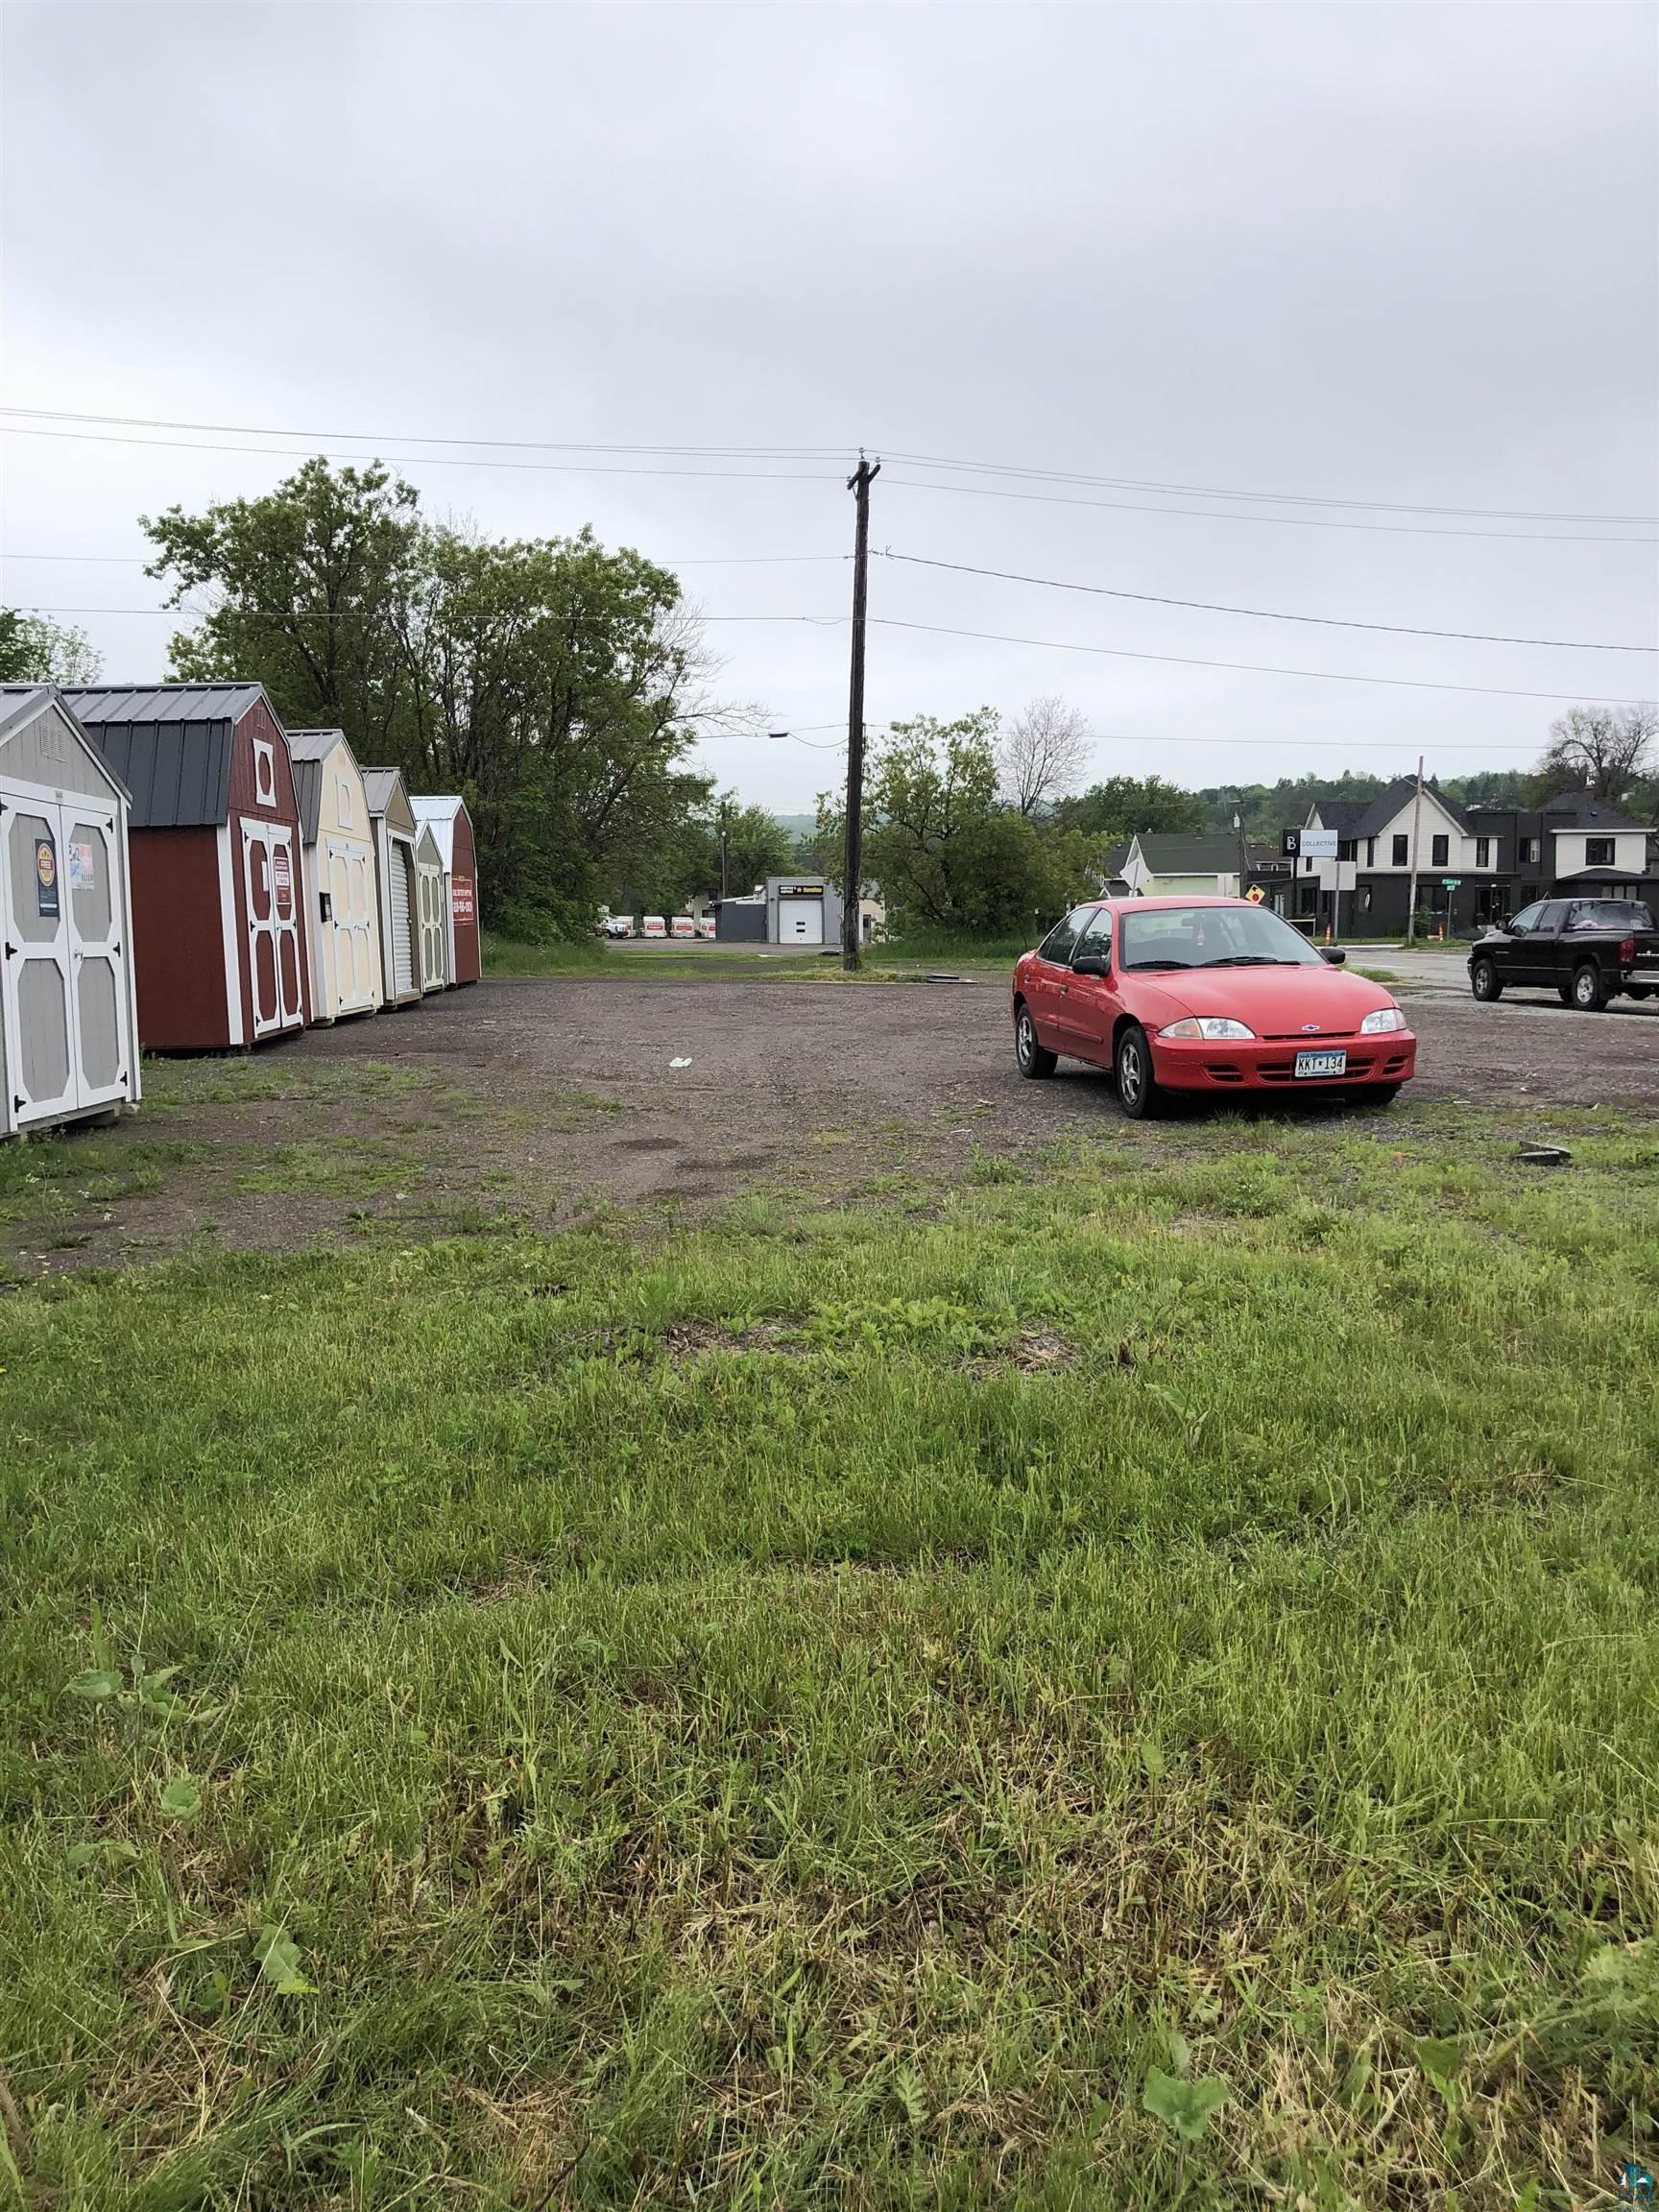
(1450,883)
(1254,893)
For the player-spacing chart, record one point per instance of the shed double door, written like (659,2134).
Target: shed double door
(350,903)
(274,953)
(434,929)
(66,1001)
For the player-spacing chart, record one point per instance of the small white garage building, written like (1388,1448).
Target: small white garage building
(68,1012)
(801,910)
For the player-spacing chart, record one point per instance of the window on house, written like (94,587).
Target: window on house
(1400,852)
(1530,851)
(1597,852)
(1344,847)
(1440,852)
(1306,867)
(1482,851)
(1370,852)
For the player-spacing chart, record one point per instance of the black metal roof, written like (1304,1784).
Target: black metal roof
(170,744)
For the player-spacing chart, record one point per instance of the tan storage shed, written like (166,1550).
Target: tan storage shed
(342,888)
(68,1011)
(434,903)
(393,822)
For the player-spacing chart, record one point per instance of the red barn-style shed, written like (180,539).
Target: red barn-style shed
(218,932)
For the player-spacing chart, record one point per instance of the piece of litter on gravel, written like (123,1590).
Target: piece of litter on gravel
(1545,1155)
(679,1063)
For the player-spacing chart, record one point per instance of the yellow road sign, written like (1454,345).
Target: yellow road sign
(1254,893)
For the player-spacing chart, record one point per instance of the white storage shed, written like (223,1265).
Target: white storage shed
(68,1013)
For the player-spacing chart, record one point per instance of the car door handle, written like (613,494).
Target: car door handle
(1065,989)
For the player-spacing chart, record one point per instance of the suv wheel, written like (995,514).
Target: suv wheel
(1484,981)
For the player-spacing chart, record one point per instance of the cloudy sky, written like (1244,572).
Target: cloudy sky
(1395,266)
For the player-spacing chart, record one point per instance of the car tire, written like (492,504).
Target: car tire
(1138,1092)
(1486,982)
(1588,992)
(1033,1058)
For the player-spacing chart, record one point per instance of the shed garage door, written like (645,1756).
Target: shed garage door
(402,952)
(800,920)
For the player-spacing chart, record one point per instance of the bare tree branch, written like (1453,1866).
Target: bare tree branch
(1605,747)
(1041,755)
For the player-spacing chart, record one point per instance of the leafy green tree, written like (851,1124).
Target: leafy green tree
(556,686)
(314,588)
(944,850)
(1123,804)
(35,650)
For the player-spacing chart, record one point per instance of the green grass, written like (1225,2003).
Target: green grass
(822,1708)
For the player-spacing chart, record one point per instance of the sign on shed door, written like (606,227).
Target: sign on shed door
(272,925)
(39,1025)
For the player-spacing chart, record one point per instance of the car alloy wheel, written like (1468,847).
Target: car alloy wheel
(1137,1086)
(1035,1059)
(1484,981)
(1587,995)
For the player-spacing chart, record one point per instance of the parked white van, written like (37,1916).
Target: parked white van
(684,927)
(655,926)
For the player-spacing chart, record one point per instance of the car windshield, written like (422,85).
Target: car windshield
(1211,937)
(1611,914)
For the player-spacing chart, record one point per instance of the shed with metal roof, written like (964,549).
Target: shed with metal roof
(216,859)
(69,1022)
(342,897)
(433,920)
(393,822)
(452,828)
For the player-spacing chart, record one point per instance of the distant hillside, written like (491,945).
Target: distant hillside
(799,825)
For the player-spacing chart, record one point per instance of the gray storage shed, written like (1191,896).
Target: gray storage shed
(68,1016)
(393,822)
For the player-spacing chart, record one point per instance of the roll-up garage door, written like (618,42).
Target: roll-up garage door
(402,959)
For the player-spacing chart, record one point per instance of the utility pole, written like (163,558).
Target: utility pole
(1416,818)
(853,855)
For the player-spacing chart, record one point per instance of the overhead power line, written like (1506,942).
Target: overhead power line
(1263,498)
(835,452)
(1259,614)
(987,637)
(1254,667)
(425,460)
(1276,522)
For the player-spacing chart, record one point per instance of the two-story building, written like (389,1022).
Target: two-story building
(1472,864)
(1163,864)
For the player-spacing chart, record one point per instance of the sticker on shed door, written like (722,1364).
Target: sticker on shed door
(273,934)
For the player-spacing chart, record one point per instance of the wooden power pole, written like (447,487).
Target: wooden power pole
(1416,818)
(853,855)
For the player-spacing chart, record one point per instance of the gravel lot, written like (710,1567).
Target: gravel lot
(539,1101)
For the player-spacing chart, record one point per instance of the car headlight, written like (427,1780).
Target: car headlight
(1203,1028)
(1385,1018)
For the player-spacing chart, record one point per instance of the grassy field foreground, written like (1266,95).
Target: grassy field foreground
(1134,1685)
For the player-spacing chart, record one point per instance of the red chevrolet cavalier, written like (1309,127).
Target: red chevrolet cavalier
(1203,994)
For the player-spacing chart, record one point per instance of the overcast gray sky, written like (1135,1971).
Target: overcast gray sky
(1397,255)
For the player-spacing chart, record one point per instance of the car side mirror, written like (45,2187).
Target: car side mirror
(1334,954)
(1091,964)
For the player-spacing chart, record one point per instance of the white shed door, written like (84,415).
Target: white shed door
(351,898)
(800,920)
(268,878)
(39,1000)
(91,897)
(403,951)
(432,931)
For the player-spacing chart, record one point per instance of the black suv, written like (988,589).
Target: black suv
(1590,949)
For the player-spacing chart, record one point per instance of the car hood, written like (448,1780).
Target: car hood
(1273,1001)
